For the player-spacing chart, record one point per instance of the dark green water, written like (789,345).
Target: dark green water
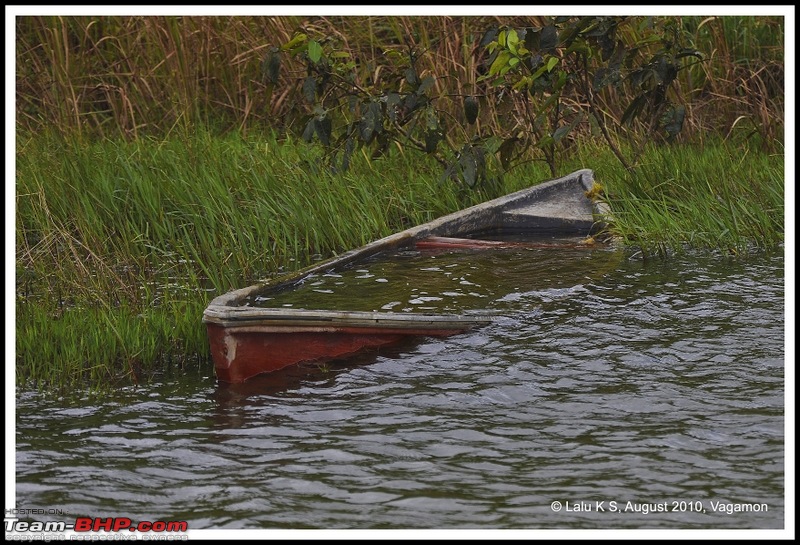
(605,379)
(441,281)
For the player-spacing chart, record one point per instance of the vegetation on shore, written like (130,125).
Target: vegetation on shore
(134,76)
(161,162)
(121,245)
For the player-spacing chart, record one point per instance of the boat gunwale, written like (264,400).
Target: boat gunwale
(223,309)
(234,316)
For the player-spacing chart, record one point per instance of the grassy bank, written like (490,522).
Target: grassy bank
(120,245)
(716,197)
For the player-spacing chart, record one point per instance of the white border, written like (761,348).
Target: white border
(405,10)
(435,10)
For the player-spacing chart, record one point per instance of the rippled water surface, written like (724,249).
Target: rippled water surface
(605,379)
(441,280)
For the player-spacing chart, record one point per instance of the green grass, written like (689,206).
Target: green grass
(717,197)
(121,245)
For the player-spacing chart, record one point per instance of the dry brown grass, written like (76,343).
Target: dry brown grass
(149,75)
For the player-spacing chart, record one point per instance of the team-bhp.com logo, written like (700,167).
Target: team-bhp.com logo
(88,524)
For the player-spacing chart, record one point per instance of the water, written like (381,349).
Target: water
(441,281)
(607,379)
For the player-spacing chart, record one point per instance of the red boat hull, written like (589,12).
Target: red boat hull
(242,352)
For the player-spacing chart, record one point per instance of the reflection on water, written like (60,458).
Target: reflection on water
(606,380)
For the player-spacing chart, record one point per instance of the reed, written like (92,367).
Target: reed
(740,87)
(721,198)
(136,76)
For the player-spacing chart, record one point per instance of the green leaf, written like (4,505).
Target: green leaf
(689,53)
(500,62)
(308,132)
(270,66)
(471,109)
(375,116)
(512,41)
(552,99)
(431,119)
(549,39)
(449,173)
(410,105)
(411,77)
(661,69)
(545,142)
(551,63)
(673,121)
(469,168)
(427,83)
(381,146)
(310,88)
(314,51)
(562,81)
(349,147)
(574,30)
(392,103)
(522,83)
(532,38)
(562,131)
(372,123)
(633,110)
(479,152)
(606,46)
(542,69)
(639,76)
(365,131)
(618,57)
(294,42)
(323,129)
(488,37)
(579,46)
(506,150)
(432,139)
(604,77)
